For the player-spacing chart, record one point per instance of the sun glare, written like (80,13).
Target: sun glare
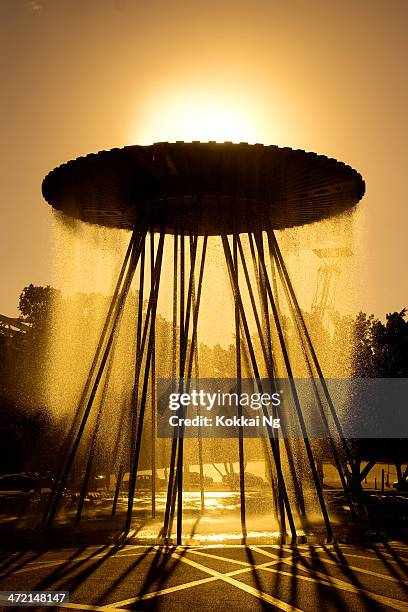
(192,118)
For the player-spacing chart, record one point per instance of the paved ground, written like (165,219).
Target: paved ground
(335,577)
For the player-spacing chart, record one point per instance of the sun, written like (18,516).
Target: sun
(190,118)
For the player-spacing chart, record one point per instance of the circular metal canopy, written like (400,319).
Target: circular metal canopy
(208,188)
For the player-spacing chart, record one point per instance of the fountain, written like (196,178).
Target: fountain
(178,200)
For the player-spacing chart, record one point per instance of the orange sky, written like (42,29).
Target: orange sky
(84,75)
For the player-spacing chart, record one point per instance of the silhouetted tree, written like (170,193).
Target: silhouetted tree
(381,350)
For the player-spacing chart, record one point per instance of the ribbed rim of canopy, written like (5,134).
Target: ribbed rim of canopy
(208,188)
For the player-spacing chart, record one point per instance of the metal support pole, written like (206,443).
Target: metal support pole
(134,462)
(107,322)
(193,360)
(153,386)
(117,488)
(89,465)
(185,312)
(298,408)
(133,240)
(340,465)
(237,297)
(239,391)
(267,353)
(138,364)
(279,258)
(60,486)
(260,278)
(167,524)
(179,475)
(119,450)
(268,356)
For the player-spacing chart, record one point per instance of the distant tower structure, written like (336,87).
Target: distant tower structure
(323,304)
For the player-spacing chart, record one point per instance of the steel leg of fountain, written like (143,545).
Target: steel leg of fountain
(193,362)
(184,333)
(239,391)
(181,389)
(341,464)
(153,388)
(119,479)
(295,396)
(113,318)
(94,364)
(168,521)
(269,361)
(90,462)
(176,473)
(299,317)
(338,443)
(134,460)
(271,435)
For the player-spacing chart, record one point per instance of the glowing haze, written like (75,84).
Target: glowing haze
(198,117)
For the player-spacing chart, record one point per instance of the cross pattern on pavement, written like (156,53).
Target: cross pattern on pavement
(288,578)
